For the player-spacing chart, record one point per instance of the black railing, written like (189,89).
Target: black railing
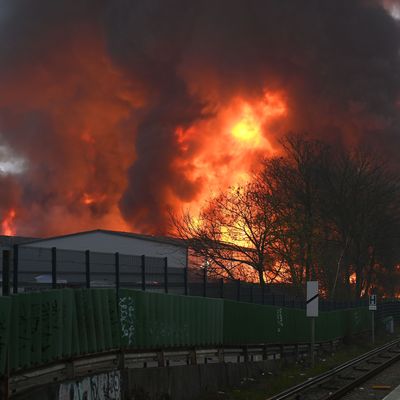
(41,268)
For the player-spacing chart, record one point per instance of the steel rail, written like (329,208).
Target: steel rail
(21,381)
(312,382)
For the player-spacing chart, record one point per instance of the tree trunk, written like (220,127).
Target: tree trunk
(261,278)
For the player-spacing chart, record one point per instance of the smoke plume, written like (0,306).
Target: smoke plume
(120,111)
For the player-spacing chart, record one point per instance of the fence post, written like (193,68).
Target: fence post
(54,267)
(221,288)
(6,272)
(117,281)
(185,280)
(205,281)
(143,272)
(238,290)
(166,274)
(87,267)
(15,268)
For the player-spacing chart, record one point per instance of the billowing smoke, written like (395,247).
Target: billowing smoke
(122,110)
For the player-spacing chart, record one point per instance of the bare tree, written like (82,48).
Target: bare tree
(234,233)
(295,181)
(309,214)
(363,209)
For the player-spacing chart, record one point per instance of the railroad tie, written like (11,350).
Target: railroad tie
(361,369)
(347,378)
(374,362)
(330,388)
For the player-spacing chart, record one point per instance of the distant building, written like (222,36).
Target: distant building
(126,243)
(70,256)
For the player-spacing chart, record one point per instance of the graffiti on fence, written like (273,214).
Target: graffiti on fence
(279,319)
(127,317)
(357,319)
(99,387)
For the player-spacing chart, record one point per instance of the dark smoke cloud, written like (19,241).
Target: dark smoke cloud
(337,61)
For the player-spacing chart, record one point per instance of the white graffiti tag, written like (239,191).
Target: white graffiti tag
(99,387)
(127,317)
(279,319)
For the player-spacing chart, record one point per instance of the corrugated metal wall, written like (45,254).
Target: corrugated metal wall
(42,327)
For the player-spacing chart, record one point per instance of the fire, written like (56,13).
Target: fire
(86,97)
(89,199)
(222,151)
(95,109)
(236,237)
(254,115)
(273,105)
(248,128)
(8,223)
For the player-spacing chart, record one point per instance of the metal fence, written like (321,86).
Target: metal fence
(35,268)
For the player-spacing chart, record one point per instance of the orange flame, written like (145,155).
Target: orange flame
(248,128)
(222,151)
(89,199)
(8,223)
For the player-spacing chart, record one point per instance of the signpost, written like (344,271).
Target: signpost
(312,311)
(372,307)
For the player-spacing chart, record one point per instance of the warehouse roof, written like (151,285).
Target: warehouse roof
(9,241)
(159,239)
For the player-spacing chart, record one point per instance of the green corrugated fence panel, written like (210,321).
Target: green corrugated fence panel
(302,326)
(194,333)
(357,320)
(106,319)
(76,333)
(128,315)
(252,323)
(178,335)
(81,316)
(246,323)
(155,316)
(185,324)
(52,328)
(14,329)
(155,320)
(68,314)
(90,320)
(50,325)
(5,313)
(36,328)
(288,328)
(24,330)
(98,319)
(114,319)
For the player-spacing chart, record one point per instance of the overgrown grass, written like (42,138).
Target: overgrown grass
(291,374)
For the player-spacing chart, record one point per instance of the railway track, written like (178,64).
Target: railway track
(334,384)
